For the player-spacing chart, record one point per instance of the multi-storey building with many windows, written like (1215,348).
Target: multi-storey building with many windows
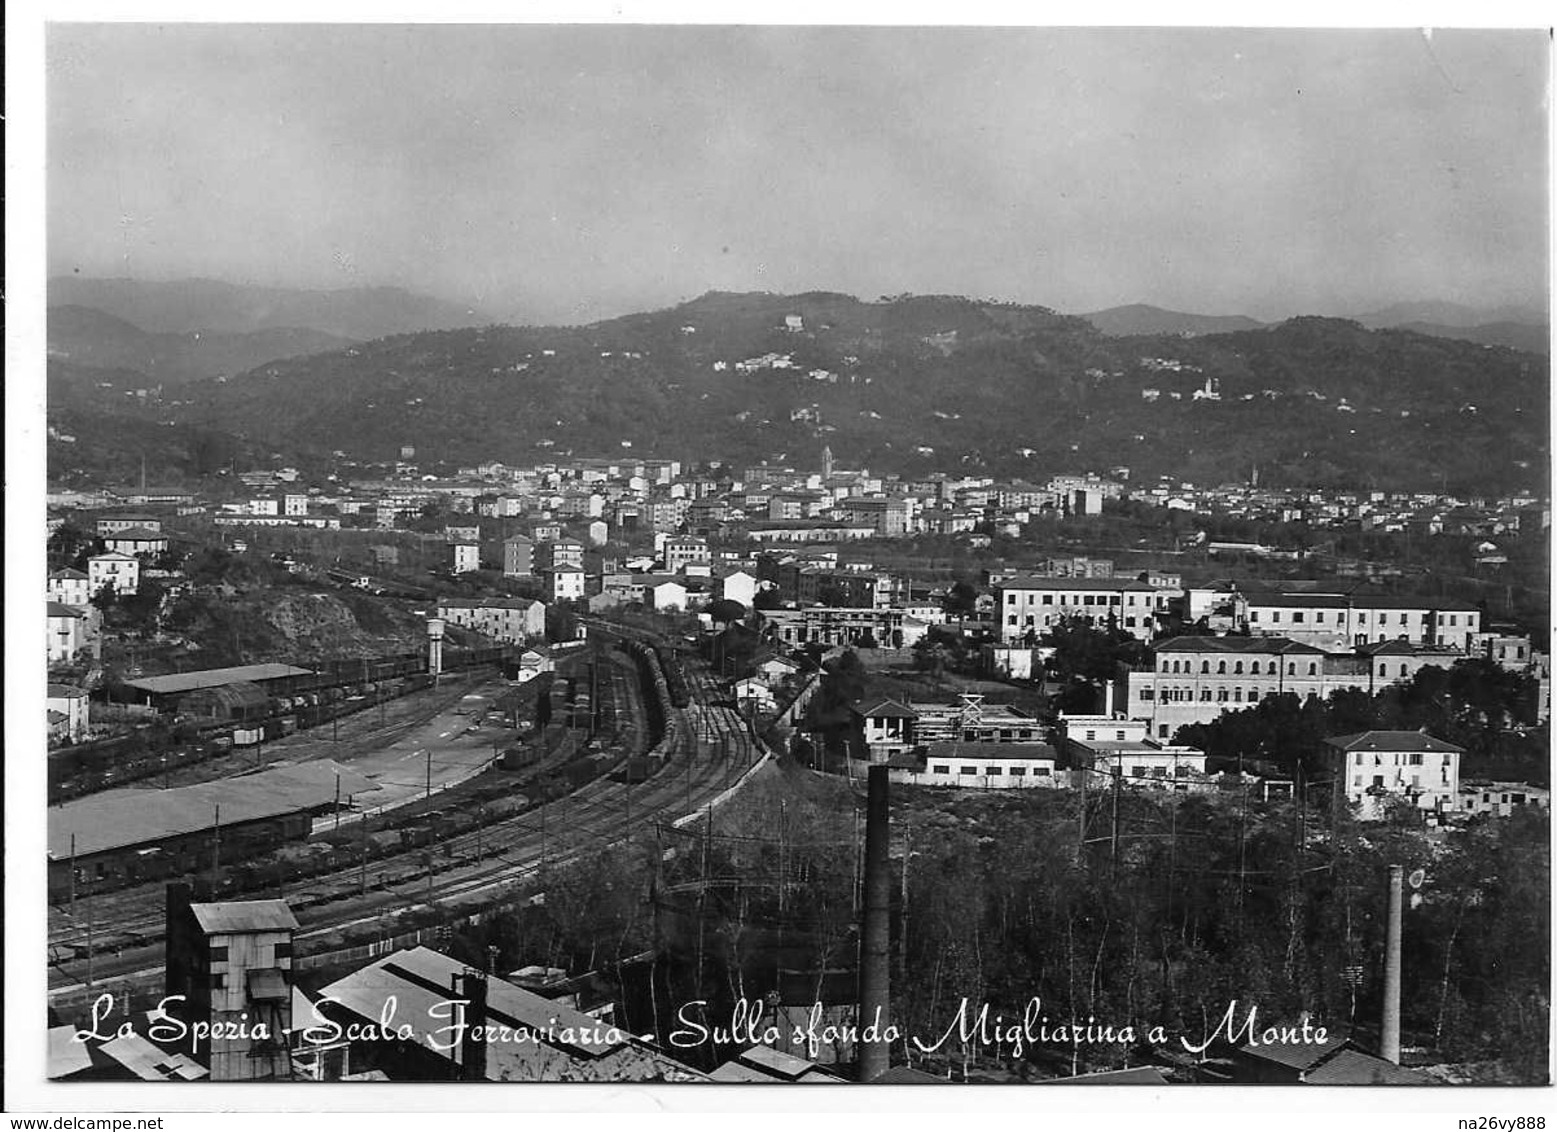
(1031,605)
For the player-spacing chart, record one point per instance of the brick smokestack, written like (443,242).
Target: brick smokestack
(1389,1039)
(875,936)
(473,1053)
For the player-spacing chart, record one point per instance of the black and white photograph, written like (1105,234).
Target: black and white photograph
(709,554)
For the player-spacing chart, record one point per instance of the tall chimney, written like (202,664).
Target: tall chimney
(875,937)
(473,1052)
(1389,1041)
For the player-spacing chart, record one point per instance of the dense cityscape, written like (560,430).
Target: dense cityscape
(701,555)
(596,653)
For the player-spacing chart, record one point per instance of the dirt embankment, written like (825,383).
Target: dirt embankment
(210,628)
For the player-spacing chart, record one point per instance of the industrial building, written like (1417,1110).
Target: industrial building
(529,1037)
(122,836)
(168,693)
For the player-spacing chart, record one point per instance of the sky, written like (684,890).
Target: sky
(568,173)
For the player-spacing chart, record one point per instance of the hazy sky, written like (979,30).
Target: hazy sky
(567,173)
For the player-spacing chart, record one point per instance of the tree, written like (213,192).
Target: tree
(961,600)
(726,611)
(103,600)
(70,546)
(561,622)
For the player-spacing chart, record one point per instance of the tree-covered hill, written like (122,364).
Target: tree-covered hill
(914,383)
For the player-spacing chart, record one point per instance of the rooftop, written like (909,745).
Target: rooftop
(1392,741)
(882,708)
(956,750)
(233,916)
(1262,645)
(121,819)
(1110,585)
(1354,1067)
(213,678)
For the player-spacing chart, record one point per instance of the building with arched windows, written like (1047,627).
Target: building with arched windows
(1196,679)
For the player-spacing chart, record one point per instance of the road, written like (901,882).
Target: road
(712,750)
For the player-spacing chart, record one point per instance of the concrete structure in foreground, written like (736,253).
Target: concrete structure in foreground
(230,964)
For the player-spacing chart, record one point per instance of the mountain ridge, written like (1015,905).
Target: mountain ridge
(917,383)
(186,306)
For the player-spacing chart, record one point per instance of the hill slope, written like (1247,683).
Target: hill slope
(915,384)
(187,305)
(87,336)
(1139,318)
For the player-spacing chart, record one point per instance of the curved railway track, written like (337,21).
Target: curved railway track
(708,748)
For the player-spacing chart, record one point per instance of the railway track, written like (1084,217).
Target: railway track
(710,749)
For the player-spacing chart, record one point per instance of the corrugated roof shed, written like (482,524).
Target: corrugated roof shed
(1294,1055)
(213,678)
(119,819)
(561,1044)
(1140,1075)
(151,1063)
(1353,1067)
(764,1065)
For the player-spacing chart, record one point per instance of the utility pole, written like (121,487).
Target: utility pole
(72,876)
(363,860)
(216,850)
(1114,836)
(337,801)
(429,773)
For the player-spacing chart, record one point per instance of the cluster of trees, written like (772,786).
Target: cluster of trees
(1476,704)
(1204,903)
(1208,903)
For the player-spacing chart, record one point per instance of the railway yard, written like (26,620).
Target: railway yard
(471,806)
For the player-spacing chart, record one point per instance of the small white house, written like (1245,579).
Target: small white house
(70,631)
(566,583)
(69,587)
(1501,799)
(739,586)
(122,571)
(68,711)
(1374,765)
(983,766)
(665,595)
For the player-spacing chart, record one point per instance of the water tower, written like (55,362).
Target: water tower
(434,646)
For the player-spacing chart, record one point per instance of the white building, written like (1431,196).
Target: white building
(1340,621)
(68,712)
(1196,679)
(1500,799)
(1031,605)
(464,557)
(565,583)
(513,620)
(294,503)
(122,571)
(1110,747)
(69,587)
(984,766)
(739,586)
(70,631)
(1374,765)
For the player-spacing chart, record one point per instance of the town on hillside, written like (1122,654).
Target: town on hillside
(441,697)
